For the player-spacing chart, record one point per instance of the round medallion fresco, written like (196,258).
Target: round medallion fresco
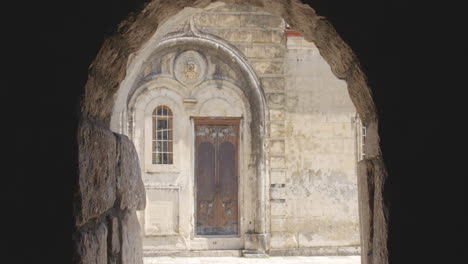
(190,68)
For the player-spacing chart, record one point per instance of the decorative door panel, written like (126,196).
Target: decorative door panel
(216,177)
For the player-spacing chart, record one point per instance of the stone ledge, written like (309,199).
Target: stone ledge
(253,254)
(251,35)
(317,251)
(192,253)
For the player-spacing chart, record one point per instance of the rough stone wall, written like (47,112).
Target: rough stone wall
(110,190)
(108,70)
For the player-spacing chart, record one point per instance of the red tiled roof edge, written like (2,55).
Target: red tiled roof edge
(292,33)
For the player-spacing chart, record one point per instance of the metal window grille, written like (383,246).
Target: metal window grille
(162,136)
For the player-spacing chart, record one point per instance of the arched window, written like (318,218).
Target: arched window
(162,135)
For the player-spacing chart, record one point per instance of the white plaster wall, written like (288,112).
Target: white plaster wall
(320,191)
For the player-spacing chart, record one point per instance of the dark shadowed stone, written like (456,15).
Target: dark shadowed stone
(92,246)
(132,245)
(335,51)
(366,193)
(380,224)
(372,146)
(373,211)
(97,163)
(130,188)
(114,236)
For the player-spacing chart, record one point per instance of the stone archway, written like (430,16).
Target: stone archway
(108,70)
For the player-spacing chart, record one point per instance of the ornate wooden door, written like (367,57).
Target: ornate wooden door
(216,176)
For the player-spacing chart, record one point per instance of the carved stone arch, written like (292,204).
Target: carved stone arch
(220,83)
(224,87)
(195,39)
(151,85)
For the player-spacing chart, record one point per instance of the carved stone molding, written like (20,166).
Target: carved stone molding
(190,68)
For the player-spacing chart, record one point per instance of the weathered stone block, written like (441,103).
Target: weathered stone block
(130,188)
(254,242)
(132,246)
(277,177)
(311,83)
(277,162)
(262,36)
(343,129)
(276,99)
(332,146)
(262,21)
(307,239)
(277,130)
(252,51)
(290,82)
(114,236)
(237,8)
(314,68)
(278,224)
(300,55)
(162,213)
(268,67)
(273,84)
(294,42)
(277,114)
(274,52)
(283,240)
(218,20)
(300,44)
(232,35)
(261,51)
(277,36)
(291,69)
(349,146)
(277,193)
(277,147)
(92,246)
(97,163)
(302,102)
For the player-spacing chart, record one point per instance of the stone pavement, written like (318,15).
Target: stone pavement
(267,260)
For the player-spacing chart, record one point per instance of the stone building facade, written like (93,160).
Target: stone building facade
(282,136)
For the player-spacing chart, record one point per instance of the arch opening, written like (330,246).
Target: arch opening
(136,94)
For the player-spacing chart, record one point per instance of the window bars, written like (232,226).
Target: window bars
(162,136)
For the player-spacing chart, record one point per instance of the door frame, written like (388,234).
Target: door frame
(213,120)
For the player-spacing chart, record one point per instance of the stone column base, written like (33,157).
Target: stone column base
(256,245)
